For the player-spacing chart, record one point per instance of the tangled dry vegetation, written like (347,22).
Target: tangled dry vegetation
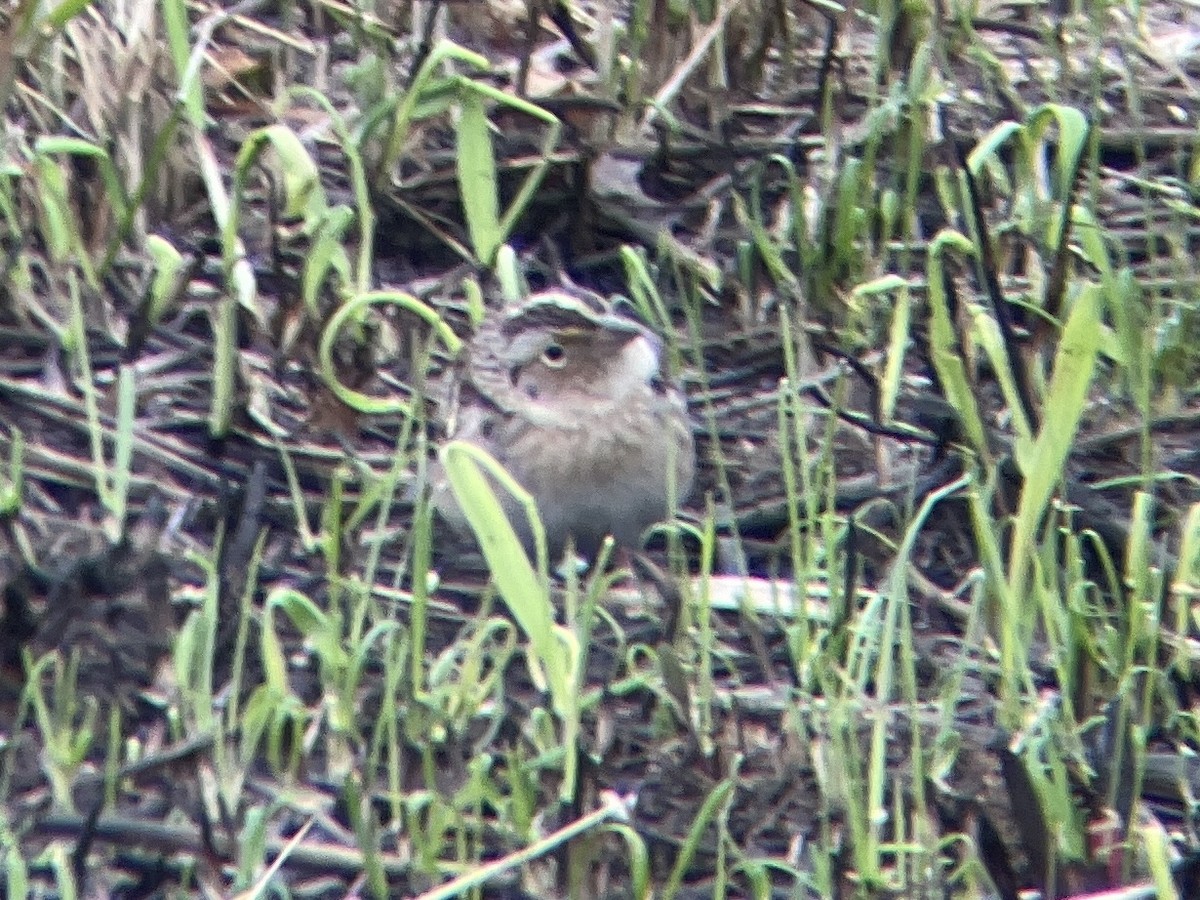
(928,624)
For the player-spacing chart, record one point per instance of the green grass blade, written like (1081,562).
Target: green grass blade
(477,180)
(1043,463)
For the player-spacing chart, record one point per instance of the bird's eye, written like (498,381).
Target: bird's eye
(554,356)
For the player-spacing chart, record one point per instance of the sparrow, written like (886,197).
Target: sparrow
(574,402)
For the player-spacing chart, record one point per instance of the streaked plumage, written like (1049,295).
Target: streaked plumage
(573,402)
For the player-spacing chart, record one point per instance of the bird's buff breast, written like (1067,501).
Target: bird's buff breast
(605,469)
